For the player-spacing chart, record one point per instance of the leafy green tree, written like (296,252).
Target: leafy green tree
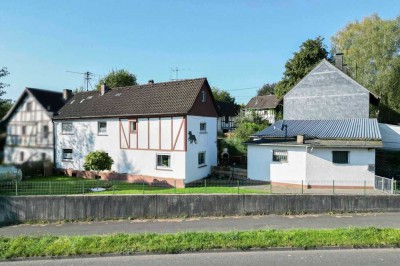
(222,95)
(98,161)
(369,47)
(389,83)
(5,104)
(118,78)
(248,124)
(266,89)
(311,52)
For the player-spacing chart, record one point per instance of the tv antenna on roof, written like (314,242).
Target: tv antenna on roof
(87,77)
(176,70)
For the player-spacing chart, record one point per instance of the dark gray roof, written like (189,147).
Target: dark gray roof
(263,102)
(165,98)
(229,109)
(348,129)
(51,101)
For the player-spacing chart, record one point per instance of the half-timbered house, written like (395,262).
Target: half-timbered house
(29,126)
(165,131)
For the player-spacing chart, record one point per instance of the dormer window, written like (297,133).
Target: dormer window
(29,106)
(203,96)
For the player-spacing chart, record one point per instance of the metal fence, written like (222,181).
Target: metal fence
(205,186)
(386,185)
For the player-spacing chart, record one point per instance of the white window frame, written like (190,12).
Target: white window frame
(203,96)
(280,161)
(130,126)
(64,131)
(98,128)
(69,158)
(205,159)
(205,127)
(162,167)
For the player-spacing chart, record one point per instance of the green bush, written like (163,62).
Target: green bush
(244,130)
(98,161)
(234,145)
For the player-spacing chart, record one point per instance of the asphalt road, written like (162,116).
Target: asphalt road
(352,257)
(391,220)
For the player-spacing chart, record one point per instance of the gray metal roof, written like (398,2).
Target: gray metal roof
(349,129)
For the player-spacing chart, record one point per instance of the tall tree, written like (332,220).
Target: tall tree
(369,47)
(266,89)
(118,78)
(222,95)
(5,104)
(311,52)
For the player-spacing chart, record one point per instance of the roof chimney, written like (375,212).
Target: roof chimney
(104,89)
(339,61)
(151,81)
(67,94)
(300,139)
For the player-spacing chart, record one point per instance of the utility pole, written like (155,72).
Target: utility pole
(87,77)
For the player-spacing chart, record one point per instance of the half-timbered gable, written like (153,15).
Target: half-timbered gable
(151,130)
(30,127)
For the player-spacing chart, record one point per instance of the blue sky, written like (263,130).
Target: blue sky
(235,44)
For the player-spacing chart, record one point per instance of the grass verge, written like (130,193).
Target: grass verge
(29,246)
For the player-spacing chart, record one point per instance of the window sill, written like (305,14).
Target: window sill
(65,133)
(163,169)
(66,160)
(203,132)
(102,134)
(201,166)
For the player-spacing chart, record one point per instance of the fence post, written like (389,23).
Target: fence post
(302,187)
(238,183)
(205,185)
(83,187)
(270,187)
(365,187)
(112,185)
(333,187)
(392,186)
(50,187)
(382,182)
(175,186)
(143,186)
(16,188)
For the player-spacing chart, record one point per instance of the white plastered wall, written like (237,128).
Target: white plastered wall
(85,138)
(322,171)
(206,141)
(261,167)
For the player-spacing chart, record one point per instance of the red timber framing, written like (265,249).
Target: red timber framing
(125,137)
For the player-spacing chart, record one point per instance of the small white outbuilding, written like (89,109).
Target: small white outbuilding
(316,153)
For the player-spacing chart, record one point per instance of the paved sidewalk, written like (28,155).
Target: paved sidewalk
(214,224)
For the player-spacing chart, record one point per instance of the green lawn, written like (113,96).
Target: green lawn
(40,246)
(64,185)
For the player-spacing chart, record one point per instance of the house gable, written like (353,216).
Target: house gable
(326,93)
(204,104)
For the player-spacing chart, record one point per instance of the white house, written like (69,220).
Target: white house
(159,132)
(316,153)
(266,106)
(29,126)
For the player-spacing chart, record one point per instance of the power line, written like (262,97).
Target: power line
(248,88)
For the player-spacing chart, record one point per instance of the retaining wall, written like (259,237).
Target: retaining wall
(104,207)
